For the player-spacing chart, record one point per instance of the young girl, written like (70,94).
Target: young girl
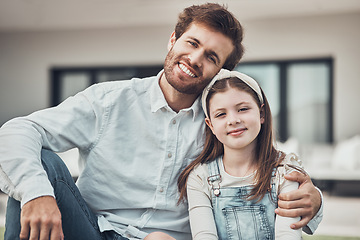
(232,186)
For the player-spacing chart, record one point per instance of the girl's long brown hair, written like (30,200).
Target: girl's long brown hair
(266,156)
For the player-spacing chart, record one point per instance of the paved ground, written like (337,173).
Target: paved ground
(341,216)
(3,199)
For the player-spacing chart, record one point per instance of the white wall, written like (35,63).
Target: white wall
(25,58)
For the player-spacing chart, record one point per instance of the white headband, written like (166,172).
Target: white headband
(223,74)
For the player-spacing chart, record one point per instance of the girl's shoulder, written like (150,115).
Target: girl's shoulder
(202,169)
(198,179)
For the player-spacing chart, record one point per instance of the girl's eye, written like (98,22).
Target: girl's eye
(243,109)
(219,115)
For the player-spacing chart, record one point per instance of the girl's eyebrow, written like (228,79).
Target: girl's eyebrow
(242,103)
(219,109)
(238,104)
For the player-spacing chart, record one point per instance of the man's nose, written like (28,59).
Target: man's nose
(196,58)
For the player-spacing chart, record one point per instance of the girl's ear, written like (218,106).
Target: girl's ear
(172,41)
(208,122)
(262,114)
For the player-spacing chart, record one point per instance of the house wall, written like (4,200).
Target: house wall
(26,57)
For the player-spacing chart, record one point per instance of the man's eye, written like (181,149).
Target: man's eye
(192,43)
(212,59)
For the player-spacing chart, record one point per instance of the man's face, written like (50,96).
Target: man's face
(195,58)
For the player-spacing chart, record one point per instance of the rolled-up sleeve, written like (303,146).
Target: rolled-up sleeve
(315,221)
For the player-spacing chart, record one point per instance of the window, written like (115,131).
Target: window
(66,82)
(300,96)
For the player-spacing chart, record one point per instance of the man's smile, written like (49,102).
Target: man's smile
(186,70)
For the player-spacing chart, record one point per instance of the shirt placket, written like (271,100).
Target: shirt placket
(169,161)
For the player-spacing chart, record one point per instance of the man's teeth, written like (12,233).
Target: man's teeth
(185,70)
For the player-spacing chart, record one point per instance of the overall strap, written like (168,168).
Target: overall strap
(214,178)
(273,174)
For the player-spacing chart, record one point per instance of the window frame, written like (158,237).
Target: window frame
(283,65)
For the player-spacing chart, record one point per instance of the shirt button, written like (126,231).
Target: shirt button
(174,121)
(169,155)
(161,189)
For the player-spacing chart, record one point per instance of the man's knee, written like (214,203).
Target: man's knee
(54,165)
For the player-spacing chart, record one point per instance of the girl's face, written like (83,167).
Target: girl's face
(235,118)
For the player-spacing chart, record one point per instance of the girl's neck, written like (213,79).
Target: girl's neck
(239,163)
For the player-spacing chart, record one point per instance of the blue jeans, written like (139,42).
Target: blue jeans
(78,221)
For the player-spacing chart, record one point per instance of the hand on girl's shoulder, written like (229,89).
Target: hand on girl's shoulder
(290,163)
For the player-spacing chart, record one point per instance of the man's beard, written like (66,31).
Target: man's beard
(193,88)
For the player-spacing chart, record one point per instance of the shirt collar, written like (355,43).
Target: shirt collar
(158,101)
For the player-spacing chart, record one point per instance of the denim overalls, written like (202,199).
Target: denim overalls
(236,217)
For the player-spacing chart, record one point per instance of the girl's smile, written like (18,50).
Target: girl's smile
(237,132)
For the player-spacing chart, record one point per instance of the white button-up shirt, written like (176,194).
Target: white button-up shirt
(132,148)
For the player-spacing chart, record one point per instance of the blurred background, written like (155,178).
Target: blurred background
(304,53)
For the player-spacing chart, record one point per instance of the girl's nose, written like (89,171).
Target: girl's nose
(233,122)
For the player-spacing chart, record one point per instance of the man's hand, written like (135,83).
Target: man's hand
(304,202)
(41,219)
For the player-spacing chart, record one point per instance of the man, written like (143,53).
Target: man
(134,138)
